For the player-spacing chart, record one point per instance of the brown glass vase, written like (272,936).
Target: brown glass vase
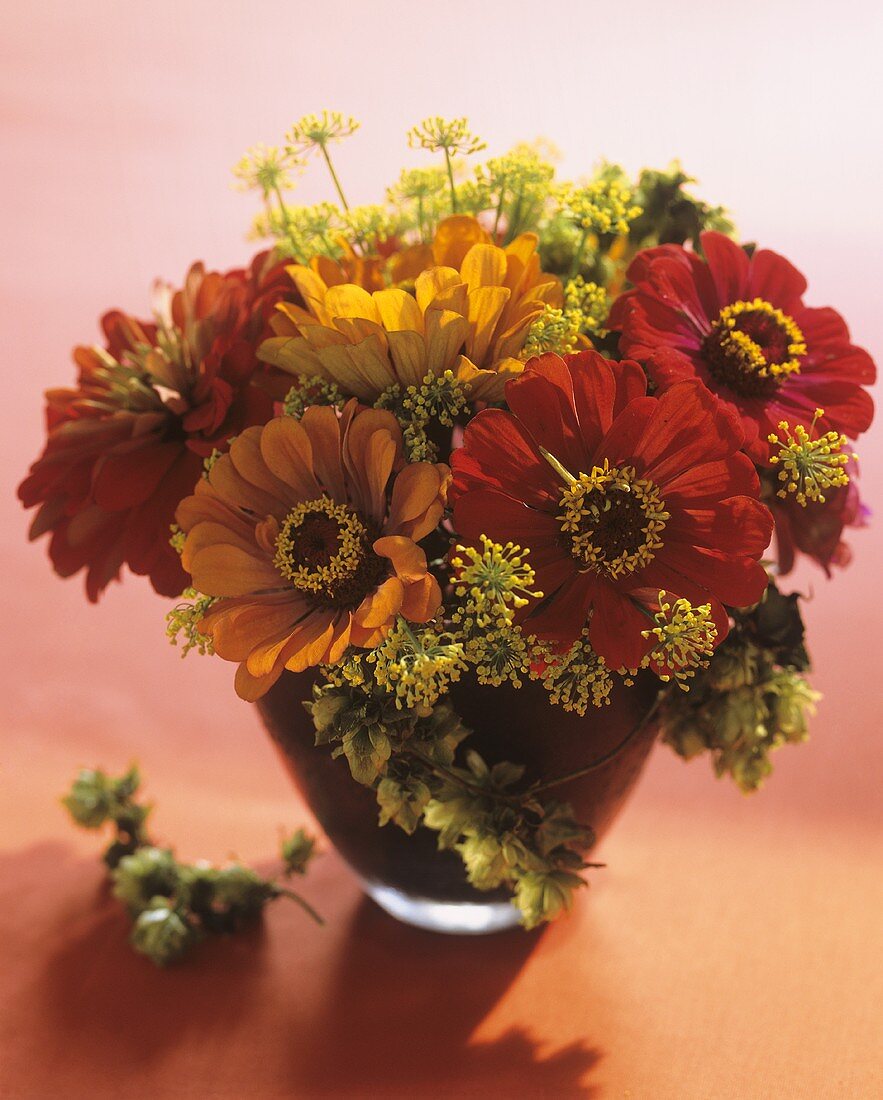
(407,875)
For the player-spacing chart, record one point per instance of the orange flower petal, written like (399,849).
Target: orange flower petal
(214,534)
(228,571)
(323,428)
(422,600)
(416,488)
(483,265)
(380,606)
(251,688)
(408,559)
(454,237)
(238,627)
(286,449)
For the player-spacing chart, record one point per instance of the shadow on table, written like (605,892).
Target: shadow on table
(394,1011)
(95,1002)
(400,1011)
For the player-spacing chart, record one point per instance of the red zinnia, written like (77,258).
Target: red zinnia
(128,443)
(739,324)
(642,495)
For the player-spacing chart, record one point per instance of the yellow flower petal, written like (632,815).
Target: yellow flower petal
(454,237)
(446,333)
(483,265)
(398,311)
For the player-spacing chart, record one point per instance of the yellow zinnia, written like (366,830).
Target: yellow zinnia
(470,314)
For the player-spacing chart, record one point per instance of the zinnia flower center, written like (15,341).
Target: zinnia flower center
(613,519)
(753,347)
(324,549)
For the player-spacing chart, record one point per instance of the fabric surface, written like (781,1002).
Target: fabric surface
(731,947)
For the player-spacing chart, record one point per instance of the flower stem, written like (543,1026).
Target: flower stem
(283,891)
(334,178)
(283,211)
(445,773)
(499,212)
(450,168)
(578,255)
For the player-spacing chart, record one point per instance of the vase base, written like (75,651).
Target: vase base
(456,918)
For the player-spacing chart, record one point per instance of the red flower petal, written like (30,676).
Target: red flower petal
(615,629)
(488,512)
(775,279)
(728,264)
(499,452)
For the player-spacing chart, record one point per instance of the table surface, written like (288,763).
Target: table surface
(731,947)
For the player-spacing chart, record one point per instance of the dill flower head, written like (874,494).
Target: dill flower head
(448,135)
(317,131)
(417,665)
(604,205)
(808,467)
(267,169)
(683,639)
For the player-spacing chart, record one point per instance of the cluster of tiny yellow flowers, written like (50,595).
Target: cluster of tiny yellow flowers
(749,352)
(449,135)
(491,584)
(209,461)
(341,565)
(585,500)
(438,397)
(316,131)
(369,223)
(420,200)
(602,206)
(177,538)
(184,619)
(590,302)
(311,391)
(575,679)
(684,639)
(809,466)
(267,169)
(417,665)
(555,330)
(495,575)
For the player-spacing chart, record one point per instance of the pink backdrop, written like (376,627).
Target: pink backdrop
(727,949)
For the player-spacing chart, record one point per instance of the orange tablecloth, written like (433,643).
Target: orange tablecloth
(732,947)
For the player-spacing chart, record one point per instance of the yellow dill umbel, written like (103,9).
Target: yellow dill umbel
(809,467)
(496,574)
(575,679)
(684,639)
(417,665)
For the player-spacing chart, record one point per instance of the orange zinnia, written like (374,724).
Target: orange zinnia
(307,533)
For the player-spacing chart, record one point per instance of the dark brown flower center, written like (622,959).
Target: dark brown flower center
(325,549)
(613,520)
(753,347)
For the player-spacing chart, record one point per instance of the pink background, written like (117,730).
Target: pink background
(728,948)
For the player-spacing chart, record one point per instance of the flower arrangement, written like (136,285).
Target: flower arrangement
(501,428)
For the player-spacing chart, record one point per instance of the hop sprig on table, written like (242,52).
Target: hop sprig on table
(174,905)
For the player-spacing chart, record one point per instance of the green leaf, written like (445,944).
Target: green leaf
(367,751)
(402,803)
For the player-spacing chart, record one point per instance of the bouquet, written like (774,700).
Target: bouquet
(501,428)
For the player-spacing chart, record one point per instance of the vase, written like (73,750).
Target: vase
(407,875)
